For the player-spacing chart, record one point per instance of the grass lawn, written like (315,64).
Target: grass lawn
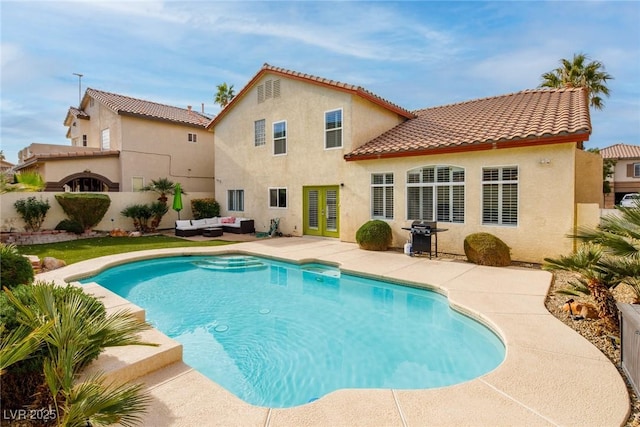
(79,250)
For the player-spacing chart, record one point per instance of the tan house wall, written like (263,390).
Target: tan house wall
(546,199)
(242,165)
(11,220)
(56,170)
(156,149)
(589,177)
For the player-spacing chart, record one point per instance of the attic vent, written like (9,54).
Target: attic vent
(276,88)
(269,89)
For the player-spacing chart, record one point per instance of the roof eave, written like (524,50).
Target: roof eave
(485,145)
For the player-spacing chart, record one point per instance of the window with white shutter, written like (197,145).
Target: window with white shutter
(436,193)
(500,195)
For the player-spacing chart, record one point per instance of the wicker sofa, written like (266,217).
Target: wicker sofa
(194,227)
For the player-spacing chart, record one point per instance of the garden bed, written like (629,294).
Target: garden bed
(40,237)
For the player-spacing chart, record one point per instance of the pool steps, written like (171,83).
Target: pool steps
(123,364)
(231,263)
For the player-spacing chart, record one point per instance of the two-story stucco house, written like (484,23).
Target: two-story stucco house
(325,157)
(119,143)
(626,172)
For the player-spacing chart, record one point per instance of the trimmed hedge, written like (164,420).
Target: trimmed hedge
(374,235)
(487,249)
(87,209)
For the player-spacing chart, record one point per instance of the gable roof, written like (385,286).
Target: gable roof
(320,81)
(530,117)
(125,105)
(621,151)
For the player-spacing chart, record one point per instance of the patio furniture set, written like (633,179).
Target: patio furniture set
(214,227)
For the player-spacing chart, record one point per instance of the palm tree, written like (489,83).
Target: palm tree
(71,331)
(162,186)
(224,95)
(580,72)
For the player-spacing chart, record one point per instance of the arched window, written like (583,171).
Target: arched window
(436,193)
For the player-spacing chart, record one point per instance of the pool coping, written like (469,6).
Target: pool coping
(550,376)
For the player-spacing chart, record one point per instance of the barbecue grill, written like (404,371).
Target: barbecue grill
(421,232)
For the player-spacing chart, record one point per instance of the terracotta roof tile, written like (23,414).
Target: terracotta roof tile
(531,115)
(621,151)
(126,105)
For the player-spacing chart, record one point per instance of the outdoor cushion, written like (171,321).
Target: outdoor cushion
(200,223)
(184,223)
(211,221)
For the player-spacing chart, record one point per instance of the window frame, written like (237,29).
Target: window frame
(105,132)
(260,140)
(133,180)
(384,186)
(278,139)
(192,137)
(279,192)
(339,129)
(235,200)
(504,196)
(443,197)
(636,170)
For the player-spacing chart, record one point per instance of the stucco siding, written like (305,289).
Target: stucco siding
(241,165)
(589,177)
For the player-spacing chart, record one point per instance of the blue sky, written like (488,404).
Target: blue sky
(415,54)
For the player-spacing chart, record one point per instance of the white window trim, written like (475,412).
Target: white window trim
(383,185)
(341,128)
(636,170)
(500,186)
(192,138)
(286,137)
(264,139)
(235,190)
(107,132)
(435,185)
(269,197)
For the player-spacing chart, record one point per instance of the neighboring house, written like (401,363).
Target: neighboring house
(325,157)
(119,143)
(626,172)
(5,166)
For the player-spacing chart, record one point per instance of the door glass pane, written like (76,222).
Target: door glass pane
(332,210)
(313,209)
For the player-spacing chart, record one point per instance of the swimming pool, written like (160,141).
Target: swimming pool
(280,335)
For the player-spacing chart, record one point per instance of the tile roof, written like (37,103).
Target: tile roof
(138,107)
(344,87)
(621,151)
(534,116)
(72,153)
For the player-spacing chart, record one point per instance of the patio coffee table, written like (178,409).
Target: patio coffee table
(212,232)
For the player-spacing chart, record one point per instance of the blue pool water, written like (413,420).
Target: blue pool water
(280,335)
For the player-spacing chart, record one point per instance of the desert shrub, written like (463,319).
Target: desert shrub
(32,211)
(158,210)
(15,269)
(374,235)
(487,249)
(70,226)
(87,209)
(140,214)
(205,208)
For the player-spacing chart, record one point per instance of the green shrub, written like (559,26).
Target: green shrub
(158,210)
(205,208)
(374,235)
(70,226)
(87,209)
(15,269)
(32,211)
(487,249)
(140,214)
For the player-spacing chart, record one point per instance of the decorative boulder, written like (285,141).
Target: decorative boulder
(374,235)
(487,249)
(50,263)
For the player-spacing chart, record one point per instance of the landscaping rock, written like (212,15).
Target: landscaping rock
(487,249)
(50,263)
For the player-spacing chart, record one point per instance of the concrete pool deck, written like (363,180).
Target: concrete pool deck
(551,376)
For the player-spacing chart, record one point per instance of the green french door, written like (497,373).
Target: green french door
(321,211)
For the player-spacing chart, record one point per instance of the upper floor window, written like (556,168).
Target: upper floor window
(500,195)
(105,141)
(333,129)
(382,196)
(192,137)
(277,197)
(436,193)
(280,138)
(636,170)
(84,140)
(235,200)
(137,183)
(259,132)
